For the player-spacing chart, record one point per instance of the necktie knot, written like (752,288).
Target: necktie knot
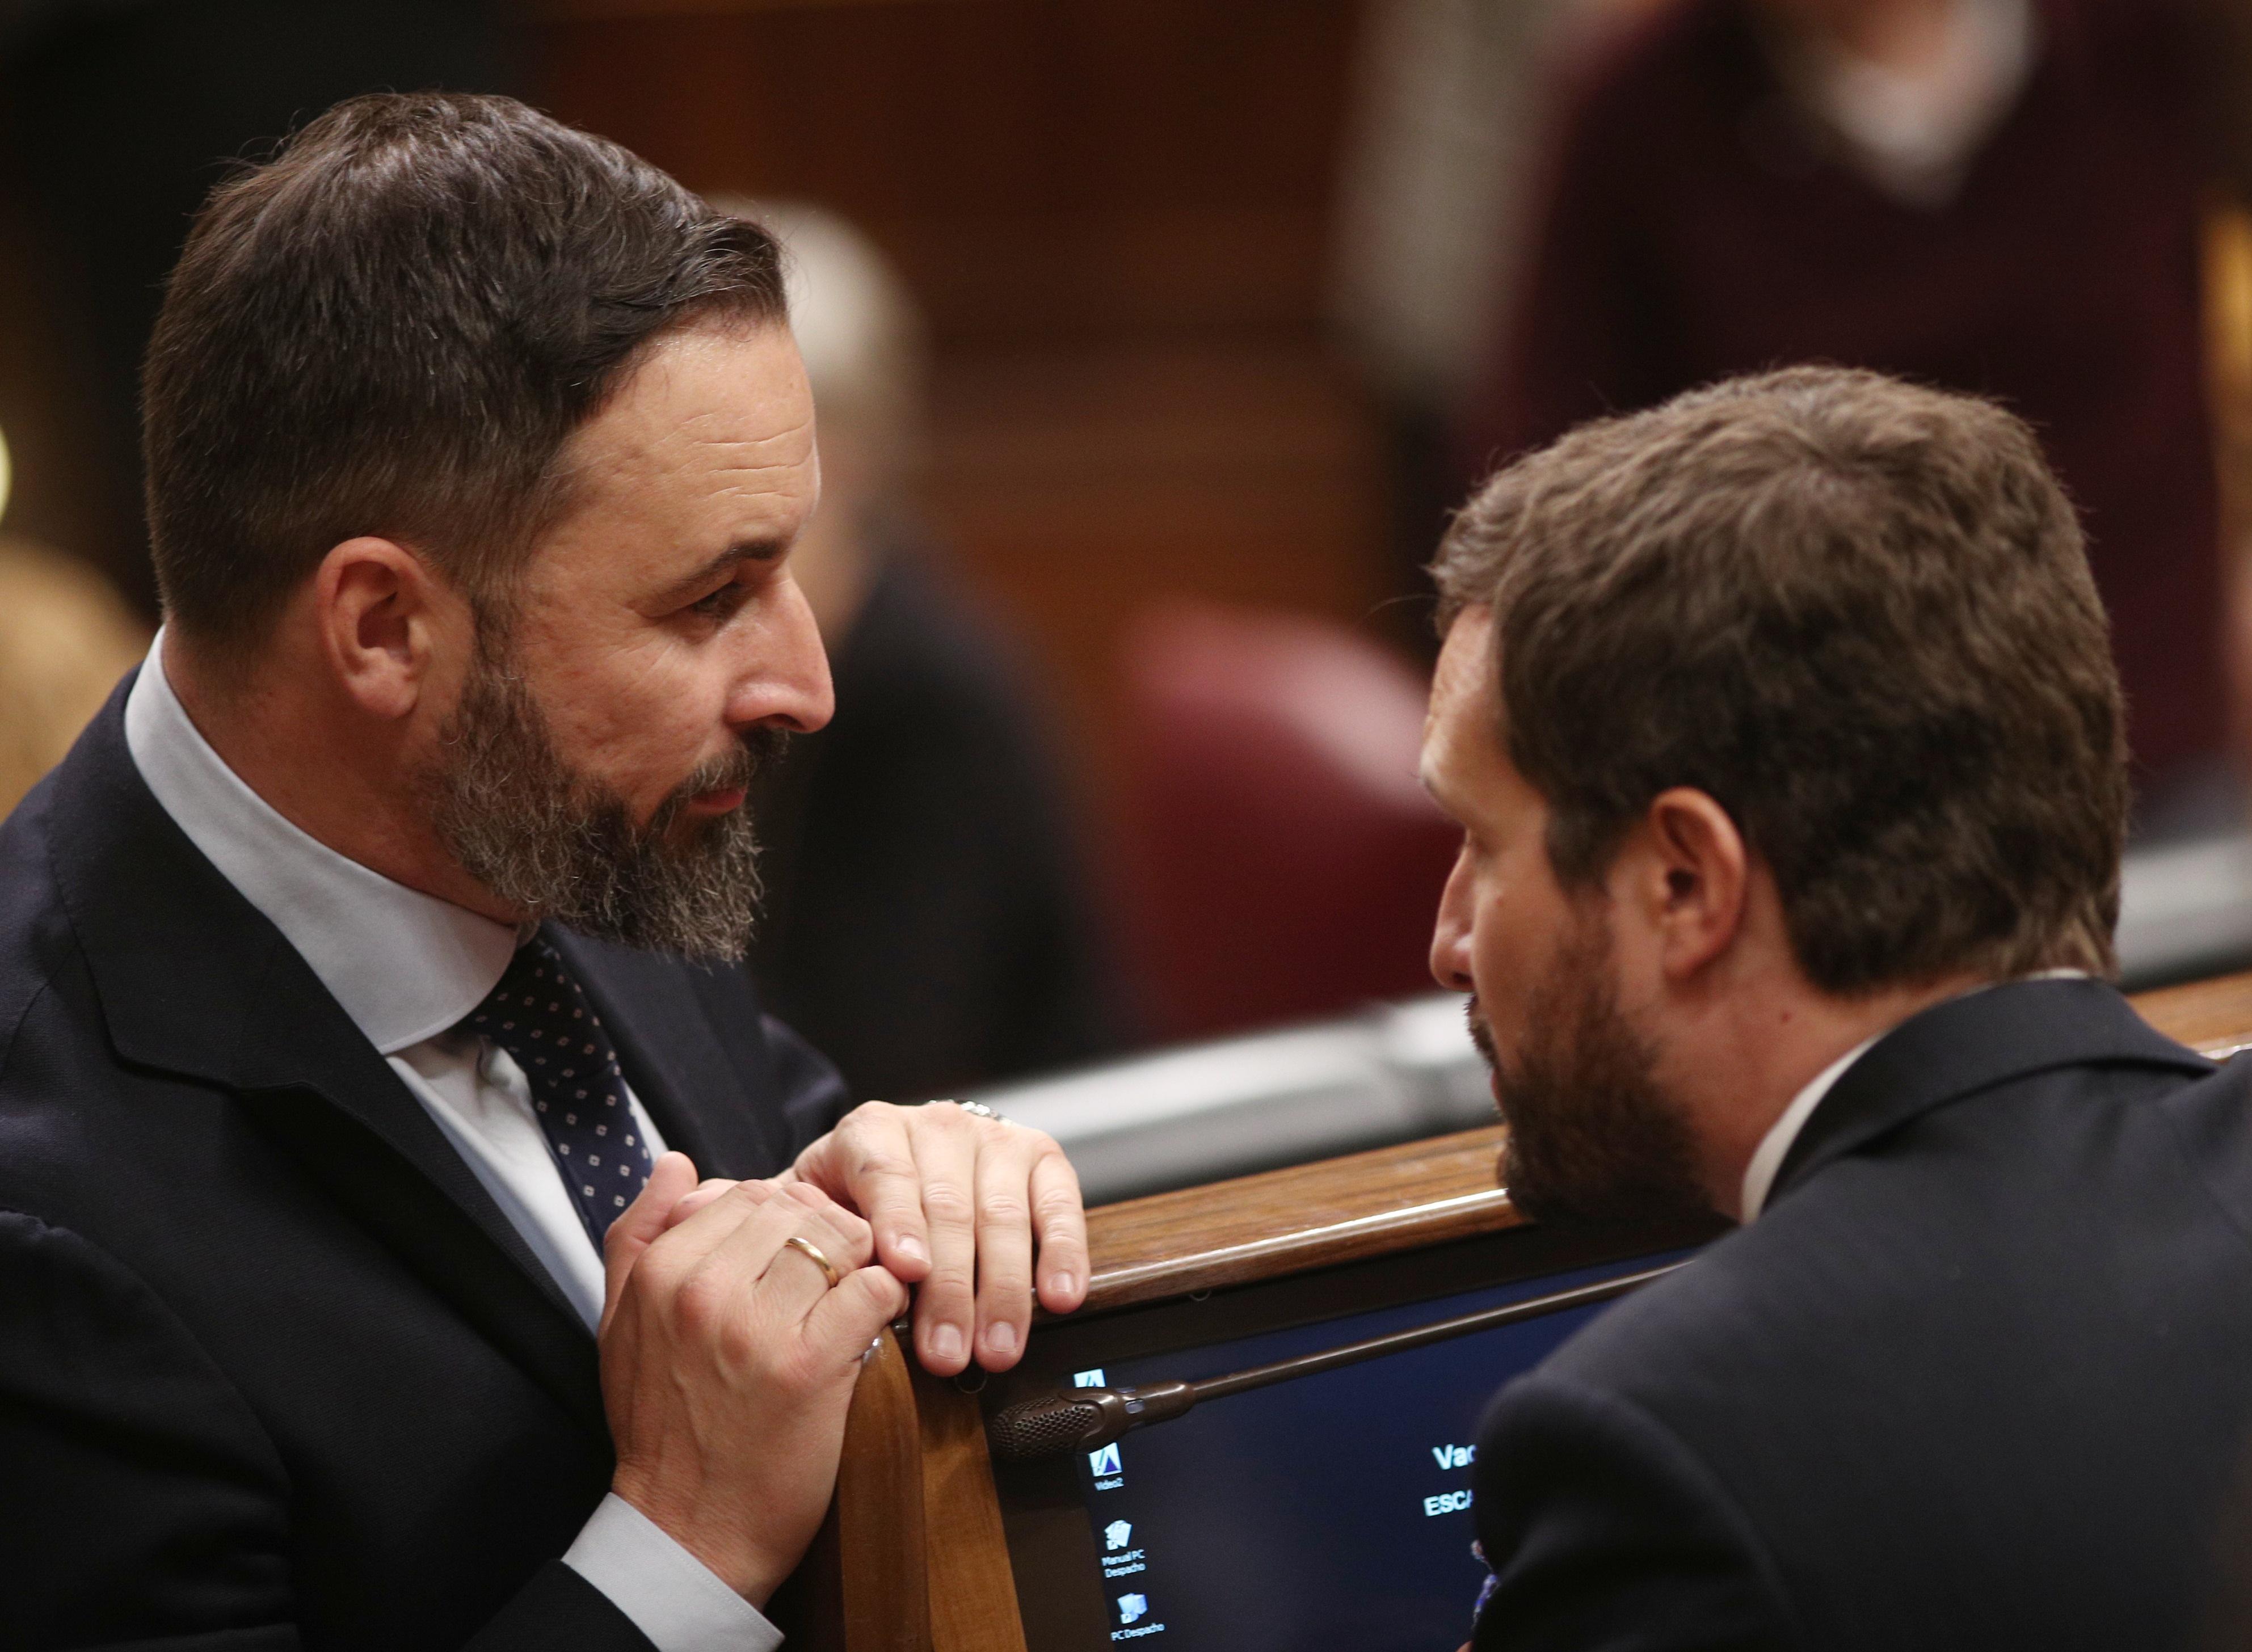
(542,1018)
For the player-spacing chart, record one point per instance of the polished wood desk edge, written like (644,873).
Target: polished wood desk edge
(2211,1016)
(1420,1193)
(1291,1220)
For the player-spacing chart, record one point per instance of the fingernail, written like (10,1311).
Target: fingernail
(911,1247)
(1001,1338)
(945,1342)
(1063,1285)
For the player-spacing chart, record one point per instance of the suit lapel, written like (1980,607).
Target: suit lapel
(195,980)
(678,1069)
(491,1278)
(1955,1050)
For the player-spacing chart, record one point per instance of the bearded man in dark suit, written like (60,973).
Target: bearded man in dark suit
(364,1020)
(1788,750)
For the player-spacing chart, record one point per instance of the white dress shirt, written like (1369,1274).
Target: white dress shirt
(1775,1146)
(1916,134)
(408,967)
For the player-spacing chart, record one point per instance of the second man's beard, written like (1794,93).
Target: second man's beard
(1592,1134)
(547,839)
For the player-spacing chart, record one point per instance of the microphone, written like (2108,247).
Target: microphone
(1082,1419)
(1086,1418)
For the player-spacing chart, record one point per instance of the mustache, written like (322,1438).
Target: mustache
(1481,1031)
(757,750)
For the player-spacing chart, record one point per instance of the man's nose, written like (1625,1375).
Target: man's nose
(1451,934)
(785,682)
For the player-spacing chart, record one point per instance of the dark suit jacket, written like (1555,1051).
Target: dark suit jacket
(1976,1378)
(275,1370)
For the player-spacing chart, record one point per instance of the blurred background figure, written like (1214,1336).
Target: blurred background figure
(66,637)
(2000,196)
(927,921)
(65,640)
(1449,113)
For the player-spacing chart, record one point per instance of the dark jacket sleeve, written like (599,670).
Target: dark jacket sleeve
(1607,1535)
(811,1091)
(144,1504)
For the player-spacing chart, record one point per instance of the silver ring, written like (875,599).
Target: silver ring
(979,1110)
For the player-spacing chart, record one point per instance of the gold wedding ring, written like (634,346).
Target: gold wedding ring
(808,1249)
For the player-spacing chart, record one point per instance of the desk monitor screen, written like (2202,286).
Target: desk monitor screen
(1332,1511)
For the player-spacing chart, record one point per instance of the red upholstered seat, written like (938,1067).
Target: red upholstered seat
(1282,860)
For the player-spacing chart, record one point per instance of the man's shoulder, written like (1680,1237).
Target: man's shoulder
(75,1125)
(1951,1215)
(1946,1327)
(99,892)
(1714,1327)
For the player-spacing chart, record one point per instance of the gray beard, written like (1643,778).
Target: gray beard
(551,842)
(1592,1134)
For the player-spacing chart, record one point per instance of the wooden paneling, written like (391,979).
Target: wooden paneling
(1042,169)
(1080,488)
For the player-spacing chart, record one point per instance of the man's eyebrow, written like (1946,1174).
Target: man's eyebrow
(691,585)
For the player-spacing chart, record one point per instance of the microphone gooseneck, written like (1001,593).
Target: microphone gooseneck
(1088,1419)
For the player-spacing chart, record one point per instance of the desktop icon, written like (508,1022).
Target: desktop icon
(1115,1534)
(1131,1606)
(1104,1461)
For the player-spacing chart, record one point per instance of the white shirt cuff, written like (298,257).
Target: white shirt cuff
(672,1597)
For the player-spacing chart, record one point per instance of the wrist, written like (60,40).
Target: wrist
(719,1545)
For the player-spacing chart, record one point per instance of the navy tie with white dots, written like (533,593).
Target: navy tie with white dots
(540,1016)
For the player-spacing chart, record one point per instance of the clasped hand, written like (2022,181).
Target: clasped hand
(729,1359)
(964,1207)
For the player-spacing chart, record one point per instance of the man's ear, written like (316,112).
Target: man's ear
(1693,878)
(378,606)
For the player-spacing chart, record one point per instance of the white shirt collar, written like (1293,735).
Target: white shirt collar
(1775,1146)
(1766,1158)
(405,966)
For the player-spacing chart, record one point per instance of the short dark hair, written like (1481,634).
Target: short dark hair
(393,327)
(1855,611)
